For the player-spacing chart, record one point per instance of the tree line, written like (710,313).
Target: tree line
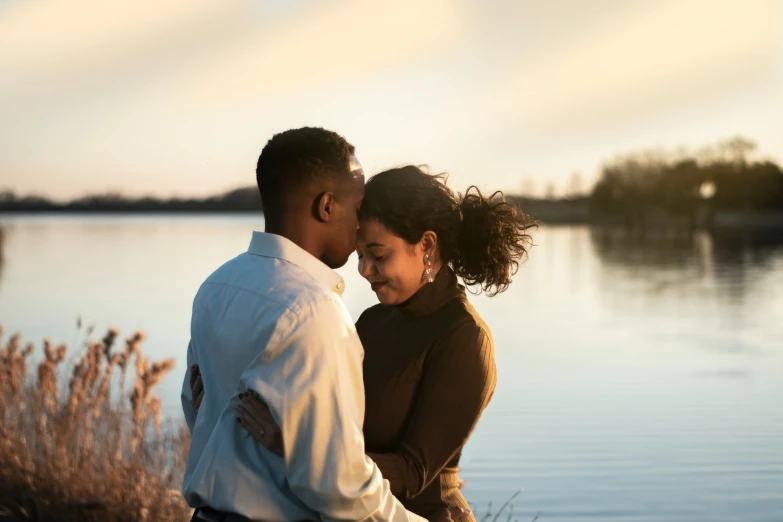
(239,200)
(725,177)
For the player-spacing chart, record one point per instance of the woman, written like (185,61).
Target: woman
(429,365)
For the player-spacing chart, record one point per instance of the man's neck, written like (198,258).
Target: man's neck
(297,231)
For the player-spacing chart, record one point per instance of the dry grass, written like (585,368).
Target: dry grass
(75,445)
(506,509)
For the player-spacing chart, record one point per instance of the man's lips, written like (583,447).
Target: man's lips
(377,285)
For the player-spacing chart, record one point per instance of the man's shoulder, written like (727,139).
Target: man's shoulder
(272,279)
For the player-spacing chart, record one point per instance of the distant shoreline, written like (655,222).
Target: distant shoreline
(124,211)
(246,202)
(721,187)
(547,212)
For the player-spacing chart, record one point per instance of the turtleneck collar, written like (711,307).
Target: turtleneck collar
(433,296)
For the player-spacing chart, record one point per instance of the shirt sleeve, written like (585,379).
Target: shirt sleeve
(185,395)
(311,378)
(459,378)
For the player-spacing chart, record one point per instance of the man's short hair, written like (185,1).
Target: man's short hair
(297,157)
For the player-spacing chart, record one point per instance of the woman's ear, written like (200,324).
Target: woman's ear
(429,243)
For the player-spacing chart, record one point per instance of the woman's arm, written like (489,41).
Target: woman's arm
(458,380)
(187,395)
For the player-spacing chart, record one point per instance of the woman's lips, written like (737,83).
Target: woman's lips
(377,286)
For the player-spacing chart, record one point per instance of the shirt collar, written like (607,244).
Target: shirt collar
(279,247)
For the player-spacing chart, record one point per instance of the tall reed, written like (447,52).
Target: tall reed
(76,445)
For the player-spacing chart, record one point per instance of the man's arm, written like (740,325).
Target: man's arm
(311,378)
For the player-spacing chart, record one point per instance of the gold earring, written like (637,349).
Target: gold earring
(429,274)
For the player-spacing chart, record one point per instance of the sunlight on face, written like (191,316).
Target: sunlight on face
(355,167)
(391,265)
(346,220)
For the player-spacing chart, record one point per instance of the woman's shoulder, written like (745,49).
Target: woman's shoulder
(465,324)
(465,344)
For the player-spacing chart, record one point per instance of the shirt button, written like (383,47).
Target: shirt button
(340,286)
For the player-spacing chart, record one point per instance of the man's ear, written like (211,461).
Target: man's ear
(323,207)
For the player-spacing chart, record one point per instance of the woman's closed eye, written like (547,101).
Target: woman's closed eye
(378,254)
(372,256)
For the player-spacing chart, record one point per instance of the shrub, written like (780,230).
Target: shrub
(76,445)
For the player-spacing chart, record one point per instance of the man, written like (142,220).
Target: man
(272,321)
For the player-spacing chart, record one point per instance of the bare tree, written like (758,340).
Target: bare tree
(575,185)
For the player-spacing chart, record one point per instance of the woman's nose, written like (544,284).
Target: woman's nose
(365,268)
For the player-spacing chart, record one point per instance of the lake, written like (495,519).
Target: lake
(639,379)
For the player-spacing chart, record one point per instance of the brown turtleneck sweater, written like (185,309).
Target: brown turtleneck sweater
(429,372)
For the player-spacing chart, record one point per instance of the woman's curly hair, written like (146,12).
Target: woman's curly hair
(484,239)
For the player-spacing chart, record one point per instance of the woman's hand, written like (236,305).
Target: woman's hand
(196,388)
(255,417)
(448,514)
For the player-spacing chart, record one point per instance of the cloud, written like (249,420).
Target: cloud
(178,96)
(650,56)
(209,51)
(48,44)
(134,90)
(332,43)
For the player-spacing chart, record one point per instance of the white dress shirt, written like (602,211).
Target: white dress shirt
(272,320)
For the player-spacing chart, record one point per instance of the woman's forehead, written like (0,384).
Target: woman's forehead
(371,231)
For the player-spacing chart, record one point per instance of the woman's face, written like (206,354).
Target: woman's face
(391,265)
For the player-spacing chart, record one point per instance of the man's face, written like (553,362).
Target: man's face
(349,198)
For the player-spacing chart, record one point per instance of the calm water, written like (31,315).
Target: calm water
(639,380)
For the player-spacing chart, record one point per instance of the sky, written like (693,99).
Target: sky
(179,97)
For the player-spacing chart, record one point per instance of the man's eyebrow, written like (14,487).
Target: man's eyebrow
(375,245)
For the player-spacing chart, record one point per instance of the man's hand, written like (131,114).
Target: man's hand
(196,388)
(449,514)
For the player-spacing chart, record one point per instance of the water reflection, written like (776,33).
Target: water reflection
(631,368)
(663,248)
(668,258)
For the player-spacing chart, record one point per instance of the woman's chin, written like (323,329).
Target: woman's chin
(384,297)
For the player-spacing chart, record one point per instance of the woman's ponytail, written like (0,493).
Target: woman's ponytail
(492,241)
